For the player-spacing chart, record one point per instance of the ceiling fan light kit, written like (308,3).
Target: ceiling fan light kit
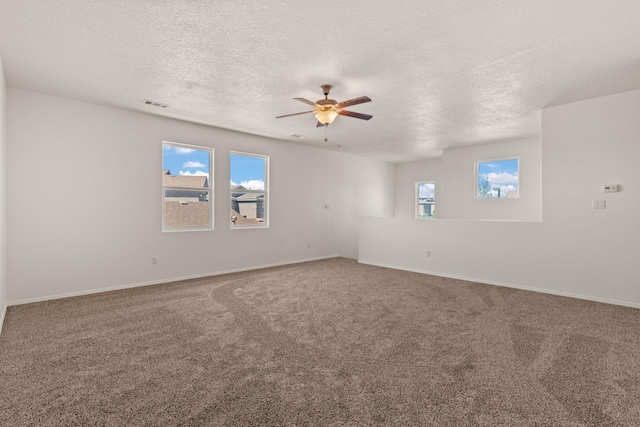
(326,110)
(326,117)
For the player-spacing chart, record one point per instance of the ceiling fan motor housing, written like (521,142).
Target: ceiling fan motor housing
(327,104)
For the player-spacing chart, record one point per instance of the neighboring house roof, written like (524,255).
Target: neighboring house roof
(248,197)
(240,220)
(188,181)
(238,193)
(186,214)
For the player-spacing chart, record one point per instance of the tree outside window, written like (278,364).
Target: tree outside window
(497,179)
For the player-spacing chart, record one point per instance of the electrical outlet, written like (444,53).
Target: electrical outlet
(154,260)
(428,254)
(309,244)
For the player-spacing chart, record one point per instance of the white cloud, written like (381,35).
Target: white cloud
(426,190)
(502,178)
(192,164)
(182,150)
(196,173)
(178,150)
(254,184)
(505,181)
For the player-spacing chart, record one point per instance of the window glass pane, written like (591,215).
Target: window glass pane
(498,179)
(247,208)
(186,208)
(186,186)
(248,171)
(248,179)
(186,161)
(426,200)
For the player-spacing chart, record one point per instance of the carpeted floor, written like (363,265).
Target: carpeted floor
(326,343)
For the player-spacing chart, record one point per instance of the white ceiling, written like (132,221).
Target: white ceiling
(440,74)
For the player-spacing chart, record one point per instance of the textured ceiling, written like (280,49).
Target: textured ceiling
(440,74)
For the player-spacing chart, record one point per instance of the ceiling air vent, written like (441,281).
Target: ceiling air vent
(155,103)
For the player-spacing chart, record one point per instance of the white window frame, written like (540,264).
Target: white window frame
(210,190)
(265,223)
(477,173)
(417,198)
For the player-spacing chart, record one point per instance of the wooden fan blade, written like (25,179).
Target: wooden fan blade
(295,114)
(319,125)
(306,101)
(354,101)
(356,115)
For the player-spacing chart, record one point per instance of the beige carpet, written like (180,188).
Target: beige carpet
(326,343)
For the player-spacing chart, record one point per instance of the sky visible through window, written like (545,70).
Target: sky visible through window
(185,160)
(498,178)
(426,190)
(247,171)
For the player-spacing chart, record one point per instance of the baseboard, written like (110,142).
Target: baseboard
(158,282)
(2,315)
(510,285)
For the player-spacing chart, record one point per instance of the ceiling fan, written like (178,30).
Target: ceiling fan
(326,110)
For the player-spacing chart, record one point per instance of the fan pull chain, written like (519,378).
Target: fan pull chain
(326,133)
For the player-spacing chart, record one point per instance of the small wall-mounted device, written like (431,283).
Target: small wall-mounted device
(611,188)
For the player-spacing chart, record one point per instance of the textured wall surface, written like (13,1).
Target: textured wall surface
(85,205)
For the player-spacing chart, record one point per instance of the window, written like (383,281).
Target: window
(425,199)
(186,187)
(249,190)
(497,179)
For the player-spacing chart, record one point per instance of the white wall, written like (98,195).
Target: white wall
(458,200)
(585,146)
(499,252)
(454,176)
(576,250)
(3,198)
(84,197)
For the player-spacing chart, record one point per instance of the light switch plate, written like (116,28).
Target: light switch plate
(599,204)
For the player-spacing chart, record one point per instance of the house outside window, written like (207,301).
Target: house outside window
(249,175)
(425,199)
(187,202)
